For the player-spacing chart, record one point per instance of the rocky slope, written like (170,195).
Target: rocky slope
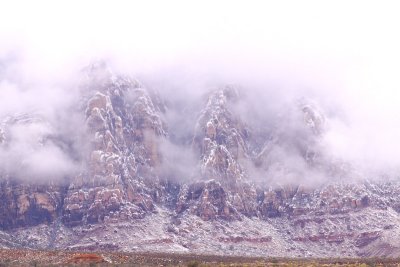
(239,199)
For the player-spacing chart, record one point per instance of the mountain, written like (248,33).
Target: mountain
(230,186)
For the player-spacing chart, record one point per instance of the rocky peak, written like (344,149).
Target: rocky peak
(313,119)
(220,137)
(220,140)
(124,127)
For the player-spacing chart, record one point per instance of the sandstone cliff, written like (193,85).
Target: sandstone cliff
(243,192)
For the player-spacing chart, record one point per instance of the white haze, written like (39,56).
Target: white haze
(344,55)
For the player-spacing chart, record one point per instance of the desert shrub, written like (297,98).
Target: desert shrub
(193,264)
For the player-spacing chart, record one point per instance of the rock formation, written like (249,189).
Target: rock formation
(240,196)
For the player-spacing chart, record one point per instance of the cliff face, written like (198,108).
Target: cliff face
(124,129)
(219,140)
(26,201)
(238,197)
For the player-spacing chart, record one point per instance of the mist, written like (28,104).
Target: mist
(341,56)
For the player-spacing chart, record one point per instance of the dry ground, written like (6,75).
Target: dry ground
(16,257)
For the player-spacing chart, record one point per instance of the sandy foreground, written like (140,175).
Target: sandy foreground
(17,257)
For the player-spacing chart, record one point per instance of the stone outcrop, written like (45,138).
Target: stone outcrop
(124,129)
(219,140)
(28,205)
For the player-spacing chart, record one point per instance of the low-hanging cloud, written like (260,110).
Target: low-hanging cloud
(331,53)
(41,126)
(29,153)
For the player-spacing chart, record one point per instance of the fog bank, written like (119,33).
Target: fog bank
(343,56)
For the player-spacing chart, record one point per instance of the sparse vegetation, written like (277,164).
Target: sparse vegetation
(56,258)
(193,264)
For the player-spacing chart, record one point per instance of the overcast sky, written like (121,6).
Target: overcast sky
(348,37)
